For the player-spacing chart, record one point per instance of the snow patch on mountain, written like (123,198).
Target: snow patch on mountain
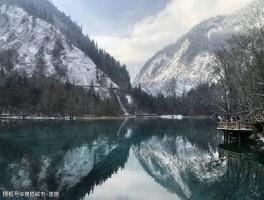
(214,30)
(178,117)
(129,99)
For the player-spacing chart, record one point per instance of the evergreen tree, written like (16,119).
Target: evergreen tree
(10,61)
(41,63)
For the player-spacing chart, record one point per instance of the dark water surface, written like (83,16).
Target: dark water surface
(156,159)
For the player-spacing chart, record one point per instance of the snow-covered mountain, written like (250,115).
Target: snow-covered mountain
(182,65)
(38,47)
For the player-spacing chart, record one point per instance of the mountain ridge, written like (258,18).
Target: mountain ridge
(182,65)
(103,64)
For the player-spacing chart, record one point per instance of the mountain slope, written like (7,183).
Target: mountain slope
(38,48)
(38,39)
(182,65)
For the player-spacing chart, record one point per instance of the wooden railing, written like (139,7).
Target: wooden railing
(251,120)
(234,125)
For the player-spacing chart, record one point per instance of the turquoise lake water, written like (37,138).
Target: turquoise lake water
(141,159)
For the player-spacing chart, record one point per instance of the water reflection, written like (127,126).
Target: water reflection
(85,160)
(244,176)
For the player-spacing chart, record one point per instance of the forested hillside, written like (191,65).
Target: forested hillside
(21,95)
(46,62)
(45,10)
(198,101)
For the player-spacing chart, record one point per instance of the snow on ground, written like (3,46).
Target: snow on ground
(179,117)
(121,104)
(261,139)
(129,99)
(34,117)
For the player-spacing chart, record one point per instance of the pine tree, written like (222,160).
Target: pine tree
(41,63)
(10,61)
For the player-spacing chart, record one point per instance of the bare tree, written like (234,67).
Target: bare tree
(240,65)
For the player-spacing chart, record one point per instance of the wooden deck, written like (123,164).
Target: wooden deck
(243,126)
(235,126)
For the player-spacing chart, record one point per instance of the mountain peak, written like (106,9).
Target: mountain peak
(44,42)
(188,62)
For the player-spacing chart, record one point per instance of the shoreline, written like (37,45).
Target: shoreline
(93,118)
(66,118)
(198,117)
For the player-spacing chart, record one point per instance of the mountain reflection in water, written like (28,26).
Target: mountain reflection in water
(131,159)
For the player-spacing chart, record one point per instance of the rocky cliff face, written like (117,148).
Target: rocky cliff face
(37,48)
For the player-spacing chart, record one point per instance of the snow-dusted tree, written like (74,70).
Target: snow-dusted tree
(57,62)
(41,63)
(240,65)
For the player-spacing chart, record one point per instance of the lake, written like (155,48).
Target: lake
(141,159)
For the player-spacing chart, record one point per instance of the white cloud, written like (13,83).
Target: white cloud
(153,33)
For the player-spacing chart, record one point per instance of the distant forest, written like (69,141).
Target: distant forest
(197,101)
(31,96)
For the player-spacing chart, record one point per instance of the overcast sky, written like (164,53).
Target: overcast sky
(134,30)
